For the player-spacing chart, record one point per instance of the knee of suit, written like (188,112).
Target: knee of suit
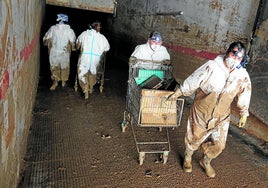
(212,149)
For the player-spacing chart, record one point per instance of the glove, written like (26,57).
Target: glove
(175,95)
(132,60)
(166,62)
(242,121)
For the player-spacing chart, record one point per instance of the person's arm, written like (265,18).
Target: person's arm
(244,101)
(47,37)
(78,42)
(166,62)
(107,45)
(72,40)
(193,82)
(132,60)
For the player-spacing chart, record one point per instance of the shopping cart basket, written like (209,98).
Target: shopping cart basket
(149,85)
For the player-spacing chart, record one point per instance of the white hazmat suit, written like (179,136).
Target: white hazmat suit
(215,88)
(145,52)
(60,39)
(92,45)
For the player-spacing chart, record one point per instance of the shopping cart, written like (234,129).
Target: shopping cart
(149,85)
(100,74)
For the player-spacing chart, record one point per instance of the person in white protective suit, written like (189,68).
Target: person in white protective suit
(151,52)
(216,85)
(60,39)
(93,45)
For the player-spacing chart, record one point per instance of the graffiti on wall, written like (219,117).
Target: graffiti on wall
(24,55)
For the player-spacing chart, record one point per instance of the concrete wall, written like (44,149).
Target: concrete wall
(205,29)
(20,24)
(259,43)
(258,69)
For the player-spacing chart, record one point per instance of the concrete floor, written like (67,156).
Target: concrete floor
(75,142)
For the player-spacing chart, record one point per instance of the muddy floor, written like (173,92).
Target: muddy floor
(75,142)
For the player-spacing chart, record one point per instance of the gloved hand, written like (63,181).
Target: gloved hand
(242,121)
(132,60)
(175,95)
(166,62)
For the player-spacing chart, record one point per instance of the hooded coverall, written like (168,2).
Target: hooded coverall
(92,45)
(60,39)
(144,52)
(215,89)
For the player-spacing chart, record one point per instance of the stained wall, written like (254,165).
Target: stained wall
(20,24)
(196,31)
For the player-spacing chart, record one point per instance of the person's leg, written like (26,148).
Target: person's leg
(64,76)
(214,148)
(55,76)
(194,137)
(187,164)
(84,84)
(205,164)
(92,82)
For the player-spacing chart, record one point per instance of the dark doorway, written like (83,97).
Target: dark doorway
(78,20)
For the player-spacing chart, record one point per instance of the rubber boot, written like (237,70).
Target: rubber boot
(86,94)
(63,83)
(187,164)
(54,85)
(205,164)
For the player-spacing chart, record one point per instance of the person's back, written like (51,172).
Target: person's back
(93,45)
(62,35)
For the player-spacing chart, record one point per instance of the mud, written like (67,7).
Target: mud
(75,142)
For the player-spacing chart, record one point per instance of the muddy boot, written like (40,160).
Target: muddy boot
(187,164)
(86,94)
(54,85)
(63,83)
(205,163)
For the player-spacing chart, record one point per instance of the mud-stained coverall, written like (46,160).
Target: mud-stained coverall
(144,52)
(215,89)
(60,39)
(92,45)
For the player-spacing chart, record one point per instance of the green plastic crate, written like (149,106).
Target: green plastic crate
(145,74)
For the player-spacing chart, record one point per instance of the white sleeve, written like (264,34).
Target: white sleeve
(72,36)
(244,96)
(106,44)
(194,81)
(48,35)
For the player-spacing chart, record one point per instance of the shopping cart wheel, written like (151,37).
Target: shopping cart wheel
(165,157)
(141,157)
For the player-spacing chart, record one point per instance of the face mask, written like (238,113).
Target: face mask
(231,63)
(155,47)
